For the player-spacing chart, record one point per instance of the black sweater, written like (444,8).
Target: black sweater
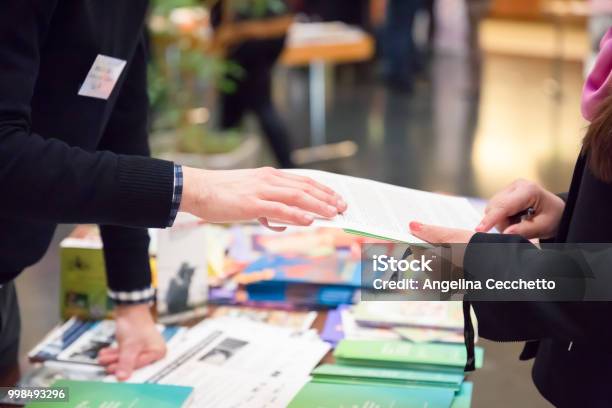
(66,158)
(571,341)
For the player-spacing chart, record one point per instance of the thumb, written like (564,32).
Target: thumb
(128,356)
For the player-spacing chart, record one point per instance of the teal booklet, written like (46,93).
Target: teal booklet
(403,355)
(325,395)
(92,394)
(344,374)
(463,399)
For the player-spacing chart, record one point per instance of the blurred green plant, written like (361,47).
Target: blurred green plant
(180,72)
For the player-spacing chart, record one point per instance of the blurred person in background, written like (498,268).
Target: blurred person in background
(401,57)
(252,34)
(570,340)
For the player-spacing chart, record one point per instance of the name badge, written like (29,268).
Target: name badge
(102,77)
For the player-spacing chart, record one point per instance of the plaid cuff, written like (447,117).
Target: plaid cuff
(177,193)
(146,295)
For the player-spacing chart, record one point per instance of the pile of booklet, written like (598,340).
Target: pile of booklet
(391,373)
(305,268)
(417,322)
(393,354)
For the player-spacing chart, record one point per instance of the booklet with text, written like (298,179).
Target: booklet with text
(383,211)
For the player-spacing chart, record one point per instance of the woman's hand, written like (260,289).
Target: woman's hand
(138,342)
(263,194)
(517,197)
(441,235)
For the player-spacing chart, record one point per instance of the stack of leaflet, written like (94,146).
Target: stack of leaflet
(433,357)
(313,267)
(417,322)
(327,280)
(391,373)
(332,395)
(234,362)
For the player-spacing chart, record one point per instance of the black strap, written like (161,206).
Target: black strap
(468,335)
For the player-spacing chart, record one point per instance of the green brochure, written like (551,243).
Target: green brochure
(463,399)
(92,394)
(404,355)
(331,373)
(319,395)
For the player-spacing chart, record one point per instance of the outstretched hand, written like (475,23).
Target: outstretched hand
(263,194)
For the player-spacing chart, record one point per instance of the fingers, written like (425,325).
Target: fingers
(300,199)
(440,235)
(313,188)
(504,205)
(283,213)
(494,217)
(306,180)
(527,228)
(128,357)
(110,358)
(108,355)
(264,221)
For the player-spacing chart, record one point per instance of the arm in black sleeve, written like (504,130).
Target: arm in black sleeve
(510,257)
(126,249)
(45,178)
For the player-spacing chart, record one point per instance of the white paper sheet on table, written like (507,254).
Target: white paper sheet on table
(236,363)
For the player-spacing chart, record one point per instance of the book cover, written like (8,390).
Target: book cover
(332,373)
(343,395)
(182,269)
(92,394)
(437,314)
(463,399)
(404,354)
(83,291)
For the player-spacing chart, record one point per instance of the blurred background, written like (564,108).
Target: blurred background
(459,96)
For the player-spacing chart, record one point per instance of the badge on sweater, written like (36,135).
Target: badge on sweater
(102,77)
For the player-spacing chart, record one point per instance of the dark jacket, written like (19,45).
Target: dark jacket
(66,158)
(571,341)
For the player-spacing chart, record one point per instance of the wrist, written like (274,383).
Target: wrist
(191,190)
(133,311)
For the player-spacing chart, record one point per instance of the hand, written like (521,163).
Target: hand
(519,196)
(265,193)
(442,235)
(138,340)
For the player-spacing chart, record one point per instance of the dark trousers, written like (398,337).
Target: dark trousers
(399,48)
(10,326)
(253,93)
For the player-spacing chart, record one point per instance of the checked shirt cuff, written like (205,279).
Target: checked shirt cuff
(177,193)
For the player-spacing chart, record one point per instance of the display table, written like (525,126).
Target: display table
(10,377)
(318,45)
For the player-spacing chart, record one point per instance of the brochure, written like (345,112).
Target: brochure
(316,394)
(182,269)
(384,211)
(237,363)
(86,394)
(79,341)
